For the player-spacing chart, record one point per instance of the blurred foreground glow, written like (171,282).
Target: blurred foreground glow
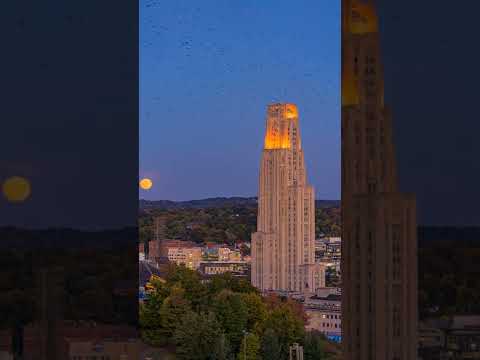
(146,184)
(16,189)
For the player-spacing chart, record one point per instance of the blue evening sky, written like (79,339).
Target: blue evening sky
(208,70)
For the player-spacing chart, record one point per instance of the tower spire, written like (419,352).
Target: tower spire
(283,248)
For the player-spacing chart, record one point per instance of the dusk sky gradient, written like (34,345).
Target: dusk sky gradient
(207,74)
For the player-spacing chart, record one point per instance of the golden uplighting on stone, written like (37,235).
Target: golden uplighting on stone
(275,141)
(279,122)
(350,94)
(146,184)
(362,18)
(16,189)
(291,111)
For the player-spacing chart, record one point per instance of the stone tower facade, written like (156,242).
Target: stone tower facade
(283,248)
(379,249)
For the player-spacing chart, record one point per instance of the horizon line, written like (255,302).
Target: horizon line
(223,197)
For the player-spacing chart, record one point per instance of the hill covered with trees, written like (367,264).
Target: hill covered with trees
(222,220)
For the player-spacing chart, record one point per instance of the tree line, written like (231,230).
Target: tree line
(227,225)
(224,319)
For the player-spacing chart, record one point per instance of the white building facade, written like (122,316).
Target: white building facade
(283,248)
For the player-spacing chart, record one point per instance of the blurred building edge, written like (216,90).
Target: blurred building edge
(108,349)
(457,337)
(84,340)
(379,230)
(50,337)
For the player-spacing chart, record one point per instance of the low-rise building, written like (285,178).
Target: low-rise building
(215,252)
(190,257)
(176,251)
(315,276)
(457,337)
(323,292)
(80,341)
(224,254)
(327,321)
(160,248)
(235,255)
(239,268)
(328,249)
(324,313)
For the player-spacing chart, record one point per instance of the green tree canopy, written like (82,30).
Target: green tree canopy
(250,348)
(270,346)
(314,346)
(197,336)
(288,327)
(195,291)
(232,313)
(172,309)
(256,312)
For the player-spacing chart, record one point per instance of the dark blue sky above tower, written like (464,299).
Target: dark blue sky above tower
(207,74)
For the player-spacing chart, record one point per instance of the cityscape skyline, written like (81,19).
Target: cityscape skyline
(240,180)
(212,75)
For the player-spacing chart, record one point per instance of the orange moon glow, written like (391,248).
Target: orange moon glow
(16,189)
(146,184)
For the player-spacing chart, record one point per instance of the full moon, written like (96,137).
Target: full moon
(146,184)
(16,189)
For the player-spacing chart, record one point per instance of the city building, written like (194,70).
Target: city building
(176,251)
(379,250)
(328,249)
(315,277)
(219,252)
(327,321)
(324,313)
(456,337)
(80,341)
(224,254)
(238,268)
(325,291)
(284,245)
(235,255)
(190,257)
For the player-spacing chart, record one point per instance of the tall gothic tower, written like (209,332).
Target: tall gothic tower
(283,248)
(379,254)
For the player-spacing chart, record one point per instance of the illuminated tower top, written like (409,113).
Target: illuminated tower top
(361,19)
(282,127)
(360,31)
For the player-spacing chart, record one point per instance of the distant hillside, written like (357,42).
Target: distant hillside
(322,204)
(218,202)
(198,204)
